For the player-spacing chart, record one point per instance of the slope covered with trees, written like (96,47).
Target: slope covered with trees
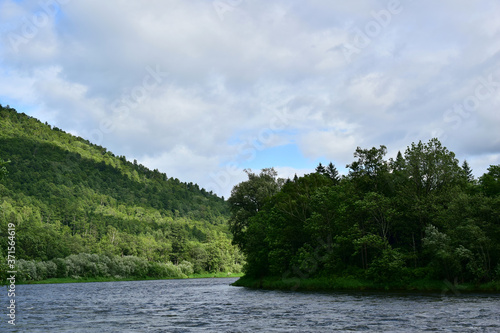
(420,216)
(67,197)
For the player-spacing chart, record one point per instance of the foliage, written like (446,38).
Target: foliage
(3,168)
(85,265)
(418,216)
(490,181)
(248,198)
(67,196)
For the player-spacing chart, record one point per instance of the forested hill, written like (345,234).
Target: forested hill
(69,196)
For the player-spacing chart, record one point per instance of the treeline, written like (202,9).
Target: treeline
(419,216)
(67,196)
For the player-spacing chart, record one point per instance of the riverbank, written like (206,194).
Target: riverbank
(112,279)
(349,283)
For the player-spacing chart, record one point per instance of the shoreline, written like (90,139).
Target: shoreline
(311,284)
(112,279)
(353,284)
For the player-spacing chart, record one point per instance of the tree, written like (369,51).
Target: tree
(467,172)
(398,164)
(431,167)
(320,169)
(490,181)
(332,173)
(248,198)
(3,169)
(369,172)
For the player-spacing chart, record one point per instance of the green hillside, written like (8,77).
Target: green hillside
(67,196)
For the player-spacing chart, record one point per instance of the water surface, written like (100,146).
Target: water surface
(212,305)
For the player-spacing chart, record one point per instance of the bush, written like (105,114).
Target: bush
(27,270)
(51,269)
(93,265)
(82,264)
(156,270)
(61,267)
(186,267)
(388,267)
(237,268)
(173,271)
(135,266)
(41,270)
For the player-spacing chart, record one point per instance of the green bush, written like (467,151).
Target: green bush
(41,270)
(27,270)
(186,267)
(173,271)
(86,265)
(61,267)
(156,270)
(51,269)
(388,267)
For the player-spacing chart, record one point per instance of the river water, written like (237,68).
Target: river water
(212,305)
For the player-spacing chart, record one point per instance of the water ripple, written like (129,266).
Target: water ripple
(211,305)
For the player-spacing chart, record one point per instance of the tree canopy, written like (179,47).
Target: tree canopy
(420,215)
(67,196)
(3,168)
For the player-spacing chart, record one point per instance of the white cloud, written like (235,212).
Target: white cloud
(229,79)
(334,145)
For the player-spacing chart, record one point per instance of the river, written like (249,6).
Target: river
(212,305)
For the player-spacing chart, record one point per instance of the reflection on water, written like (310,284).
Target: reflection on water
(211,305)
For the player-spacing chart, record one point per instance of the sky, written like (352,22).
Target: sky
(203,89)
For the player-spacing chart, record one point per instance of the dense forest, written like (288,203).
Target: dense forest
(420,216)
(79,210)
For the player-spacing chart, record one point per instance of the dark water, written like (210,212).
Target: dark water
(211,305)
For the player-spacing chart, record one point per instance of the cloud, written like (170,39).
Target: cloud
(229,80)
(333,145)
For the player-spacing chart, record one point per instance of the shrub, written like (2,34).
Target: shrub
(156,269)
(51,269)
(61,267)
(186,267)
(135,266)
(41,270)
(173,271)
(389,266)
(27,270)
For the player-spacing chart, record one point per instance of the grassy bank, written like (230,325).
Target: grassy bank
(112,279)
(349,283)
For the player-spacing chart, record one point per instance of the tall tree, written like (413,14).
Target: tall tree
(332,173)
(248,198)
(370,171)
(490,181)
(467,172)
(431,167)
(320,169)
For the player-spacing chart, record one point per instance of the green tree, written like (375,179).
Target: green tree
(330,171)
(248,198)
(333,173)
(490,181)
(469,176)
(370,171)
(321,169)
(3,168)
(431,167)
